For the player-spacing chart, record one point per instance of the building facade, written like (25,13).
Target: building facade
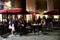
(30,5)
(14,4)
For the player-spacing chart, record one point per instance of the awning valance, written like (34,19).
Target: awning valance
(13,10)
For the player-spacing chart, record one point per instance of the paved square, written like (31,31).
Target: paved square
(32,36)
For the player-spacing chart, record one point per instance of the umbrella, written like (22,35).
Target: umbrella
(53,12)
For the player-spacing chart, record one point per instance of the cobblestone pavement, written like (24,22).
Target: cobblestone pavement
(32,36)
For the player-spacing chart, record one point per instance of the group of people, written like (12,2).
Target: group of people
(20,25)
(23,27)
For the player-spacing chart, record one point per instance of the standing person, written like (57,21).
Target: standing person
(5,26)
(29,25)
(19,26)
(15,25)
(24,25)
(43,24)
(1,28)
(39,21)
(49,22)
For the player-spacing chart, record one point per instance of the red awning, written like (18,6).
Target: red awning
(54,12)
(14,10)
(2,11)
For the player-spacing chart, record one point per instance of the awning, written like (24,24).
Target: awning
(14,11)
(2,11)
(53,12)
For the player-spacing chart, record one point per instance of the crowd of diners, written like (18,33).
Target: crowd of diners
(23,27)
